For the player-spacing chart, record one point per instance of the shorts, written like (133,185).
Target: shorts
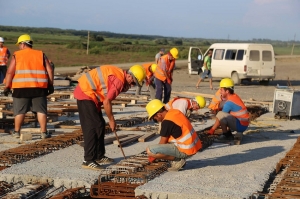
(167,149)
(204,74)
(228,119)
(23,105)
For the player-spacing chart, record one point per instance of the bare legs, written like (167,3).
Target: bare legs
(198,83)
(210,83)
(42,119)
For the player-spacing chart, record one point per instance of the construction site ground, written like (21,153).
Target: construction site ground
(222,170)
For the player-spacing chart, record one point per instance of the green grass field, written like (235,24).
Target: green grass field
(70,50)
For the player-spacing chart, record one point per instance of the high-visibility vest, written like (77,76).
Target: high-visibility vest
(95,82)
(169,105)
(215,101)
(3,56)
(149,73)
(243,114)
(159,73)
(30,70)
(189,142)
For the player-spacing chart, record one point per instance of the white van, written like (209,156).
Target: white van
(238,61)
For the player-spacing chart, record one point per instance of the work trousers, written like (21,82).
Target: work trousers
(163,87)
(151,89)
(3,70)
(93,128)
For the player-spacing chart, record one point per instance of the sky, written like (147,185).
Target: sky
(213,19)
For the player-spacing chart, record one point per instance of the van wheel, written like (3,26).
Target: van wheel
(235,78)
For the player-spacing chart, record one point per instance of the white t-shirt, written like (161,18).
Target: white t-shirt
(180,104)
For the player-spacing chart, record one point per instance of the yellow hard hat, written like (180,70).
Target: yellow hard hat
(153,106)
(138,73)
(226,83)
(23,38)
(153,67)
(174,53)
(201,101)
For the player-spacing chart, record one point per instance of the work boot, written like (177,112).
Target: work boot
(177,165)
(105,160)
(16,134)
(45,135)
(225,137)
(91,165)
(238,138)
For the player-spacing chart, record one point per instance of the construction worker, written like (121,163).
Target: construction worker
(207,70)
(4,56)
(159,54)
(149,80)
(31,78)
(234,115)
(186,105)
(217,102)
(163,75)
(178,139)
(96,88)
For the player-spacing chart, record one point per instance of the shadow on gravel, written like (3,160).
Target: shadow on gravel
(238,158)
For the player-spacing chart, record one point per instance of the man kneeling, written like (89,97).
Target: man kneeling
(178,139)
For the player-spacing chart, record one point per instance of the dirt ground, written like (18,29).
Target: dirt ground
(286,68)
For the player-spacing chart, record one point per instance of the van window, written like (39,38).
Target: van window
(266,55)
(254,55)
(219,53)
(230,55)
(240,55)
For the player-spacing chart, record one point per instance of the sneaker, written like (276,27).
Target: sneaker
(91,165)
(105,160)
(177,165)
(45,135)
(16,134)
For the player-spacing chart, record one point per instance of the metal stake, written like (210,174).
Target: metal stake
(119,143)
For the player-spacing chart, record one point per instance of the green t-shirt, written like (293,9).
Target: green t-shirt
(207,60)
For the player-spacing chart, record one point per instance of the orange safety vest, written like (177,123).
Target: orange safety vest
(215,101)
(3,56)
(189,142)
(159,73)
(169,105)
(95,82)
(243,114)
(149,73)
(30,70)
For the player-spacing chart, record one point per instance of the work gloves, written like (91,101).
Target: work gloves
(151,159)
(50,89)
(6,91)
(169,81)
(211,131)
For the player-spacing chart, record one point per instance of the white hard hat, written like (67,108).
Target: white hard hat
(1,39)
